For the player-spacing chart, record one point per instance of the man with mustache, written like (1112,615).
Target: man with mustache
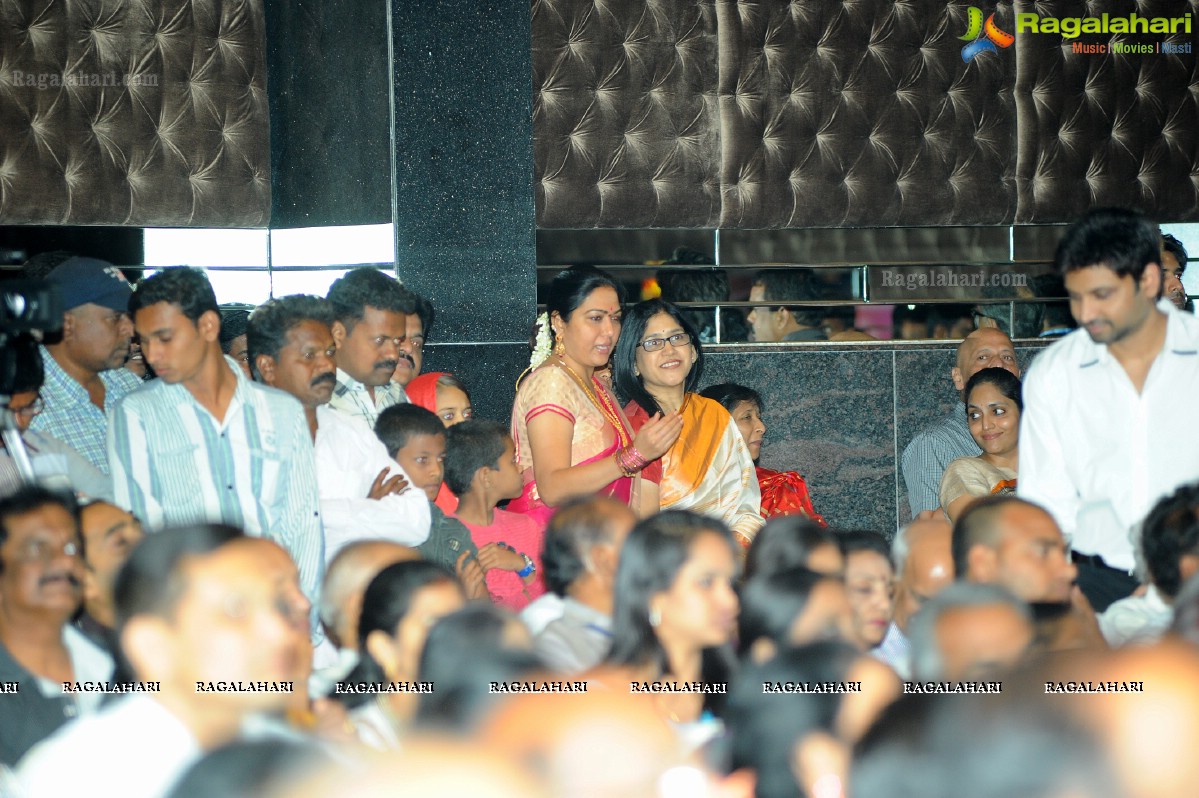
(370,317)
(41,577)
(203,443)
(84,369)
(216,624)
(412,350)
(363,492)
(1100,441)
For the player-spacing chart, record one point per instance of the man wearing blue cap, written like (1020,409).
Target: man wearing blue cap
(84,374)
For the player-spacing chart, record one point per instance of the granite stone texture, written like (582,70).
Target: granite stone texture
(463,193)
(841,415)
(328,91)
(829,416)
(489,372)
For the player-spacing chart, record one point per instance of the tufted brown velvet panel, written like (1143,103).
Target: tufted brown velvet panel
(624,113)
(178,136)
(1107,129)
(862,113)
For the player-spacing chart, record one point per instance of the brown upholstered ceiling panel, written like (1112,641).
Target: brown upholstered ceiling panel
(133,112)
(624,114)
(1107,128)
(862,113)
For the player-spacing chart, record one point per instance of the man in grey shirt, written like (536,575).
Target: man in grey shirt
(582,548)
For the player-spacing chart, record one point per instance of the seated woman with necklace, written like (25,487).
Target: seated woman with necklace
(993,407)
(657,366)
(571,437)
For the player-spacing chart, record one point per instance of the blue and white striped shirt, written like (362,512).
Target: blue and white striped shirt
(70,415)
(174,463)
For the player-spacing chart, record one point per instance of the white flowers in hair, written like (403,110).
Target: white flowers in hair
(543,346)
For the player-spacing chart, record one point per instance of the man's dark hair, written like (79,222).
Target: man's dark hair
(1176,248)
(181,285)
(795,284)
(576,526)
(1170,532)
(1118,239)
(978,525)
(29,498)
(269,324)
(424,309)
(151,581)
(469,446)
(366,286)
(398,423)
(234,319)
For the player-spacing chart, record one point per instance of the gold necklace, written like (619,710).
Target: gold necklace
(608,413)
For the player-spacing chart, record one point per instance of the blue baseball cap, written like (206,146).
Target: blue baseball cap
(82,280)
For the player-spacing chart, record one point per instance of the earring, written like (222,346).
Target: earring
(636,371)
(559,347)
(655,617)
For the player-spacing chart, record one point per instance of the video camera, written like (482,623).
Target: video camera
(28,310)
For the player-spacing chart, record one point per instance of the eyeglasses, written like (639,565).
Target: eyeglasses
(30,410)
(654,344)
(43,551)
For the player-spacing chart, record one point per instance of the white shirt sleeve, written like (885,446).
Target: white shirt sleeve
(348,458)
(1043,476)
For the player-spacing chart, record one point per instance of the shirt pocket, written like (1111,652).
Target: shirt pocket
(177,480)
(266,470)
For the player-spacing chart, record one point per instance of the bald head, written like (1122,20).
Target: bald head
(924,565)
(1014,543)
(346,579)
(986,347)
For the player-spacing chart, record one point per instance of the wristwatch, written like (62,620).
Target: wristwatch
(529,567)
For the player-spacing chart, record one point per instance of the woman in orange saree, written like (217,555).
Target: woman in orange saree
(658,365)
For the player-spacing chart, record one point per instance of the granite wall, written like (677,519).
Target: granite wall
(841,415)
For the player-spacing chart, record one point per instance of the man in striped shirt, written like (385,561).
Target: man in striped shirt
(203,443)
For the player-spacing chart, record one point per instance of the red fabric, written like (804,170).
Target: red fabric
(525,535)
(422,391)
(786,493)
(446,500)
(637,418)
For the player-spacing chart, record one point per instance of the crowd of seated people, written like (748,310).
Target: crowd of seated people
(290,564)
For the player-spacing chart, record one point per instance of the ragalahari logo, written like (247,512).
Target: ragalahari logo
(983,37)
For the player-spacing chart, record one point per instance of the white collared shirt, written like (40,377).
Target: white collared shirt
(134,748)
(348,458)
(1097,454)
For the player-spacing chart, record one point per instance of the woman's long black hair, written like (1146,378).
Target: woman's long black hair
(650,561)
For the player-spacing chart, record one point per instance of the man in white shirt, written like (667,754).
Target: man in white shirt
(1100,441)
(1170,544)
(582,547)
(370,312)
(216,622)
(364,493)
(923,560)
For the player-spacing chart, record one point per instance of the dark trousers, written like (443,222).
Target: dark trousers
(1102,586)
